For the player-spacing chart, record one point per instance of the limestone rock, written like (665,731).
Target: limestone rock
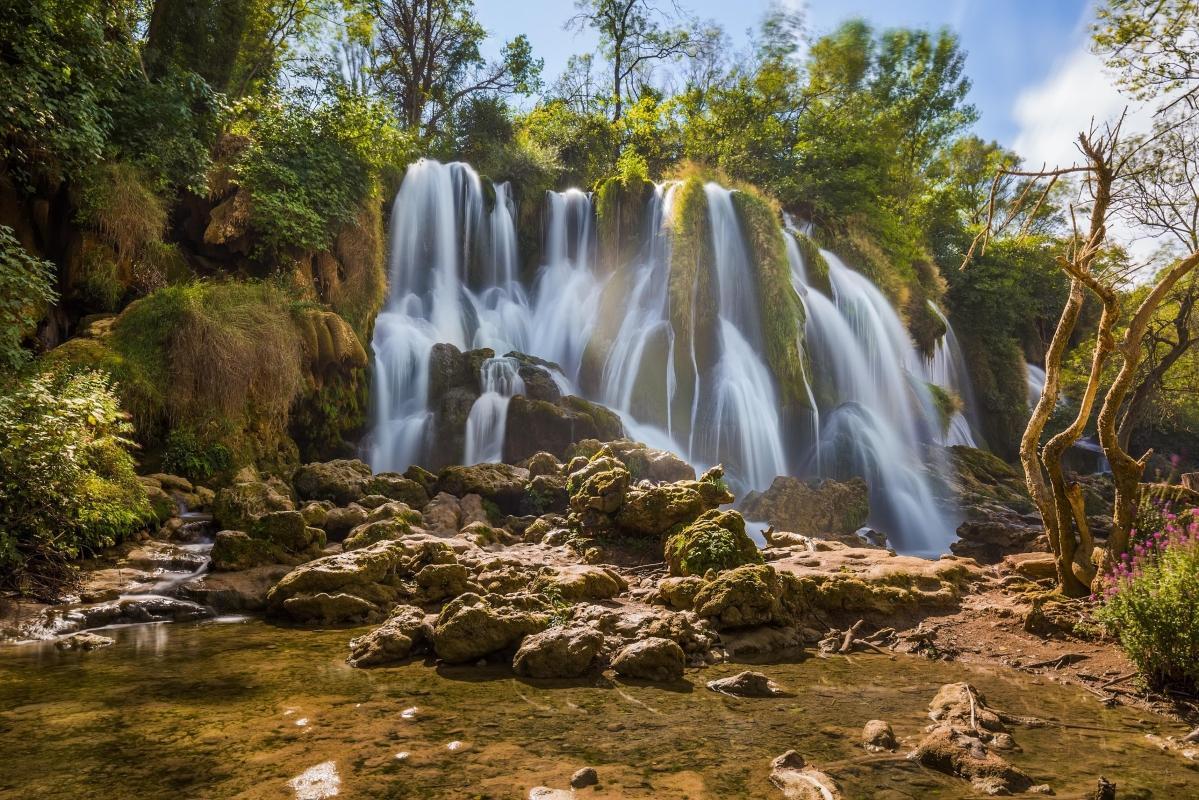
(471,626)
(558,652)
(877,737)
(680,592)
(398,487)
(715,541)
(580,582)
(443,515)
(372,575)
(85,642)
(368,533)
(651,659)
(502,484)
(754,594)
(340,521)
(402,634)
(236,507)
(243,590)
(600,486)
(235,550)
(747,684)
(830,509)
(341,481)
(800,782)
(439,581)
(653,510)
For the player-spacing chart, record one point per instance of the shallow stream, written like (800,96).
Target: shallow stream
(242,709)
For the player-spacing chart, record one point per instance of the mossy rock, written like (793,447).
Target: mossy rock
(620,219)
(368,533)
(471,627)
(716,541)
(236,550)
(829,508)
(502,484)
(754,594)
(397,487)
(341,481)
(237,507)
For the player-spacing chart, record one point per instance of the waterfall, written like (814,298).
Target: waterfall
(455,277)
(879,420)
(488,416)
(947,369)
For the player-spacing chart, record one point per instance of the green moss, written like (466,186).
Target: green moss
(715,541)
(781,312)
(814,264)
(947,404)
(620,211)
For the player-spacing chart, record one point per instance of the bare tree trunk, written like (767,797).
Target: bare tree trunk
(1126,470)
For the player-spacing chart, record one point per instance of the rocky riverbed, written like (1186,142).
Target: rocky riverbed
(614,593)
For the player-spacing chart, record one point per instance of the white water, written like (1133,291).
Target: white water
(455,278)
(947,369)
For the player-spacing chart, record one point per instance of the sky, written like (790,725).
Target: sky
(1034,80)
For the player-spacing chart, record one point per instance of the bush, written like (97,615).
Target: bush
(67,480)
(26,287)
(1149,603)
(195,460)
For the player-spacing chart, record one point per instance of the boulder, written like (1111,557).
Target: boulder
(236,507)
(235,550)
(440,581)
(1033,566)
(990,533)
(651,659)
(566,652)
(342,481)
(600,486)
(340,521)
(397,487)
(402,634)
(755,594)
(877,737)
(956,751)
(368,533)
(316,513)
(289,531)
(828,509)
(541,425)
(472,626)
(546,494)
(715,541)
(679,593)
(502,484)
(580,582)
(961,704)
(583,778)
(652,511)
(443,515)
(542,463)
(231,592)
(747,684)
(626,625)
(84,642)
(798,781)
(643,463)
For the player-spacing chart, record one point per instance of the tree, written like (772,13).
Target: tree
(429,60)
(1152,44)
(633,35)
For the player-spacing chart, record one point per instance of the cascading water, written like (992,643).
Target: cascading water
(947,369)
(455,278)
(488,416)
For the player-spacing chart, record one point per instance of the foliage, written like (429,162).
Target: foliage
(26,288)
(307,170)
(1151,44)
(184,454)
(585,143)
(118,202)
(716,541)
(1149,603)
(67,481)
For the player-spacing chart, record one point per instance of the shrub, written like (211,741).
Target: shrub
(26,287)
(1149,602)
(185,454)
(67,481)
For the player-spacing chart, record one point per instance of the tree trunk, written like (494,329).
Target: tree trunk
(1126,470)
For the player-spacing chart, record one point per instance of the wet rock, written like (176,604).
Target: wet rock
(84,642)
(583,778)
(955,751)
(340,521)
(160,555)
(289,531)
(396,639)
(558,652)
(342,481)
(747,684)
(243,590)
(237,507)
(651,659)
(828,509)
(580,582)
(235,550)
(127,611)
(539,383)
(761,640)
(396,487)
(962,705)
(540,425)
(715,541)
(797,781)
(877,737)
(754,594)
(329,608)
(162,503)
(624,625)
(502,484)
(471,627)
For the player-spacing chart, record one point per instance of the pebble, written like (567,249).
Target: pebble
(585,777)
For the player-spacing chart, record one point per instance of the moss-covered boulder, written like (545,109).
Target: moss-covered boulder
(370,532)
(754,594)
(644,463)
(540,425)
(653,511)
(582,582)
(716,541)
(236,550)
(237,507)
(600,486)
(341,481)
(471,626)
(562,652)
(501,484)
(829,509)
(398,487)
(651,659)
(401,635)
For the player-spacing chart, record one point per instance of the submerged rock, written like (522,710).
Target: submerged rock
(404,633)
(651,659)
(956,752)
(877,737)
(747,684)
(559,652)
(800,782)
(84,642)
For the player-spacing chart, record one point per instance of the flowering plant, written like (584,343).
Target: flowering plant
(1150,601)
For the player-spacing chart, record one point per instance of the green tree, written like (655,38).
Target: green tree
(1151,44)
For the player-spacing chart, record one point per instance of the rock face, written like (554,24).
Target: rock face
(558,652)
(747,684)
(341,481)
(831,509)
(454,385)
(534,425)
(400,636)
(716,541)
(797,781)
(651,659)
(471,627)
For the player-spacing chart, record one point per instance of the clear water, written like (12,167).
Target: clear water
(215,711)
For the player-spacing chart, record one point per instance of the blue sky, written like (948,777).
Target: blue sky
(1034,81)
